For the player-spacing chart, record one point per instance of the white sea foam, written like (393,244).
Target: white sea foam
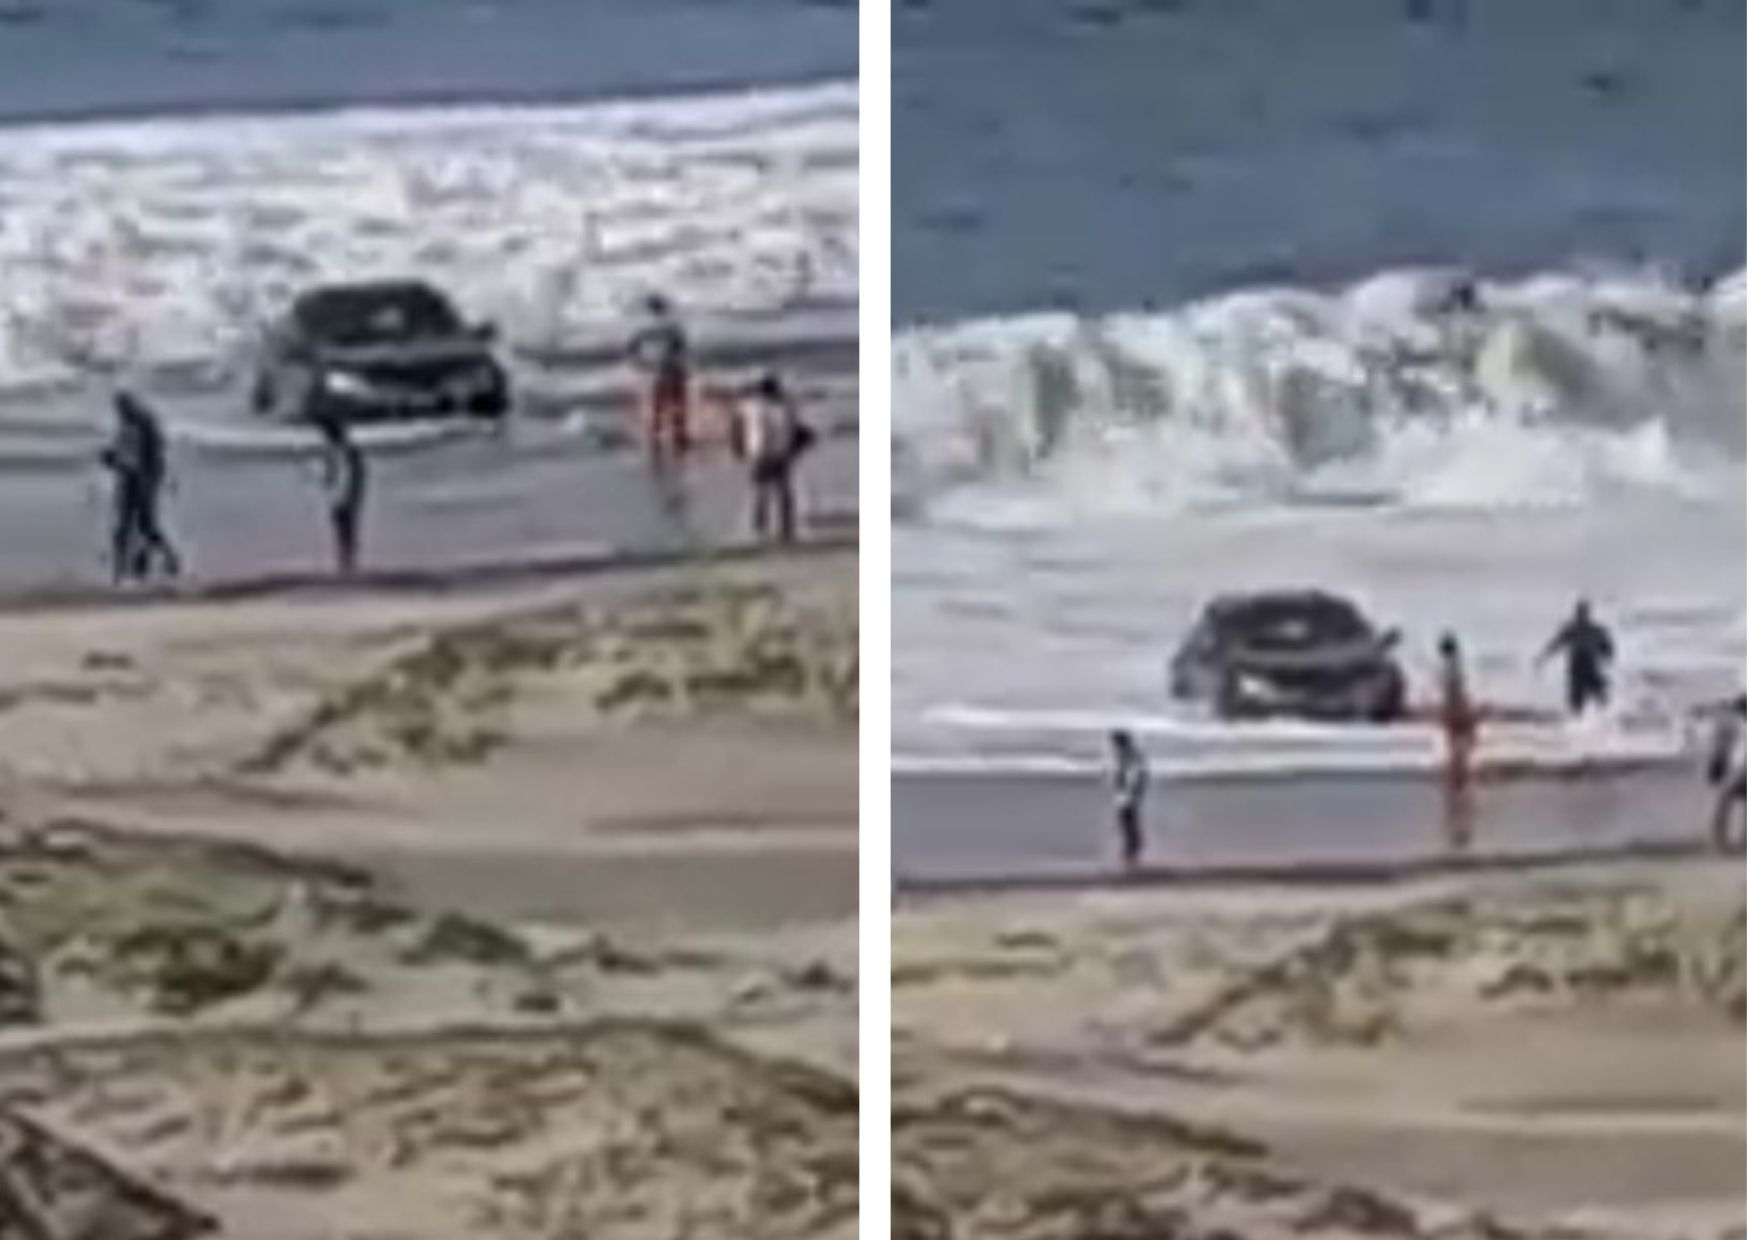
(1072,742)
(165,243)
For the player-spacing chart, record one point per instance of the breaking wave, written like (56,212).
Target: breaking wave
(163,244)
(1414,387)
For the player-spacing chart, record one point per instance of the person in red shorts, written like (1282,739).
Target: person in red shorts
(661,349)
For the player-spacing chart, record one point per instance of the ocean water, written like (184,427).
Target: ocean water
(75,58)
(173,172)
(1437,303)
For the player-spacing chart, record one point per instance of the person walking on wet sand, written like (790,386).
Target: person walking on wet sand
(1129,795)
(1460,722)
(1589,651)
(772,439)
(345,480)
(138,459)
(1727,772)
(661,349)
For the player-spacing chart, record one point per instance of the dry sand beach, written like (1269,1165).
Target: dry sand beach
(1504,1056)
(513,910)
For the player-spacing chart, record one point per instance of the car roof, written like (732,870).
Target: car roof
(1227,603)
(369,288)
(1239,609)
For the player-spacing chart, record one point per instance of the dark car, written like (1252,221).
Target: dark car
(378,351)
(1301,654)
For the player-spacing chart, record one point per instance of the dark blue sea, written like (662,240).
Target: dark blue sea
(1115,154)
(79,57)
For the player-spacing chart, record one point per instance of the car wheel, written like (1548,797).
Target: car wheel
(1392,703)
(494,403)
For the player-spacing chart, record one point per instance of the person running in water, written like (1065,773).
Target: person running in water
(660,347)
(1461,723)
(1129,788)
(345,479)
(139,460)
(772,439)
(1727,772)
(1589,651)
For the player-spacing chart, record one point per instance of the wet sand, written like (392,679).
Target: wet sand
(965,830)
(247,502)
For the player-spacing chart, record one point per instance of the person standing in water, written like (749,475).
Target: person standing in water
(345,479)
(1727,772)
(1129,795)
(138,458)
(772,439)
(1589,651)
(661,348)
(1460,722)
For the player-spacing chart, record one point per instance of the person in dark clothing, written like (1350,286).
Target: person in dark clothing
(1727,772)
(138,459)
(155,544)
(345,479)
(1589,651)
(1462,297)
(1129,789)
(124,520)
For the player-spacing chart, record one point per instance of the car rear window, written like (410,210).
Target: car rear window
(376,314)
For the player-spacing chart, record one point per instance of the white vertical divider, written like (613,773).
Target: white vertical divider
(875,284)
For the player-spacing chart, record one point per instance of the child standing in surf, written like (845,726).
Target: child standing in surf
(1129,788)
(345,478)
(1460,722)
